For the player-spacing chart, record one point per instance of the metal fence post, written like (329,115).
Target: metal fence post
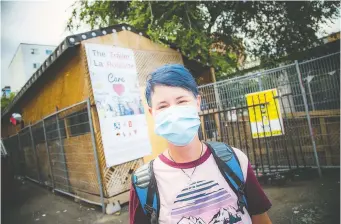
(260,83)
(35,153)
(63,152)
(48,154)
(308,117)
(99,178)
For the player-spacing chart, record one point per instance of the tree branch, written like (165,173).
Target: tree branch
(189,21)
(151,13)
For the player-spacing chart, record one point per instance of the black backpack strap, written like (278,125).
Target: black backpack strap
(152,191)
(239,191)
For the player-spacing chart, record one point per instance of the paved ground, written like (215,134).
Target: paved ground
(312,201)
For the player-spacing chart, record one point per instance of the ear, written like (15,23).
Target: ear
(199,103)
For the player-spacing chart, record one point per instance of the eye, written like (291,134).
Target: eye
(182,101)
(163,106)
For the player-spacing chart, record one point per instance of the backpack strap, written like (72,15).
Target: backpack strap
(230,168)
(145,186)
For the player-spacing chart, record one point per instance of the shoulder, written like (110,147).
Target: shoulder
(220,150)
(243,160)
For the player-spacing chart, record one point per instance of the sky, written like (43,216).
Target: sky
(34,22)
(43,22)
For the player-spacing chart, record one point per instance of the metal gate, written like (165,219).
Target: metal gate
(308,102)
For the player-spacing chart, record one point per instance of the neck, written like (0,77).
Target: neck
(185,154)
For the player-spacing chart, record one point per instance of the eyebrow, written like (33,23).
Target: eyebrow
(162,102)
(180,97)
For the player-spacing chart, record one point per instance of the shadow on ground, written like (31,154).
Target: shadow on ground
(33,203)
(314,201)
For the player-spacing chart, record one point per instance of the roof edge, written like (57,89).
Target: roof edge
(72,41)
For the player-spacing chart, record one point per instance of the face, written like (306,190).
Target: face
(164,97)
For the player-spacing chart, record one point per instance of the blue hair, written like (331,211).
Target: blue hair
(174,75)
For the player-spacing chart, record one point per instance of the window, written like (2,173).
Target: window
(34,51)
(78,123)
(48,52)
(36,65)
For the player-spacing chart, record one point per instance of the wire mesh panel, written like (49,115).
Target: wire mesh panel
(27,145)
(41,152)
(71,151)
(226,115)
(321,80)
(55,133)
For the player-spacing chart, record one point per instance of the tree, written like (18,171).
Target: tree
(5,101)
(218,33)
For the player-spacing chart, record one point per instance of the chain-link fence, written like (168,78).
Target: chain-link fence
(60,151)
(299,101)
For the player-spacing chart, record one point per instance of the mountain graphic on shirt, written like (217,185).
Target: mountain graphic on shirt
(226,216)
(205,202)
(191,220)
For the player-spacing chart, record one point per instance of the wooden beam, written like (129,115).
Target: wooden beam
(325,139)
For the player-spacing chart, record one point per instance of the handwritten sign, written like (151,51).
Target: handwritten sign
(116,91)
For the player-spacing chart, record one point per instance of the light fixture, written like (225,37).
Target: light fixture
(140,34)
(84,36)
(93,34)
(114,30)
(123,28)
(72,39)
(129,28)
(104,32)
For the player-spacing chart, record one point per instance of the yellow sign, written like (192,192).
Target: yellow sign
(264,114)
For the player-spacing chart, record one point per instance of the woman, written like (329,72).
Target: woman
(190,186)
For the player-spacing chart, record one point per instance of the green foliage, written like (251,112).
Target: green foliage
(6,100)
(265,29)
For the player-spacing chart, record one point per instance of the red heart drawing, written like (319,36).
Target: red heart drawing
(118,88)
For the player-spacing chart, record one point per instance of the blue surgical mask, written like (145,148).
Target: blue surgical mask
(178,124)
